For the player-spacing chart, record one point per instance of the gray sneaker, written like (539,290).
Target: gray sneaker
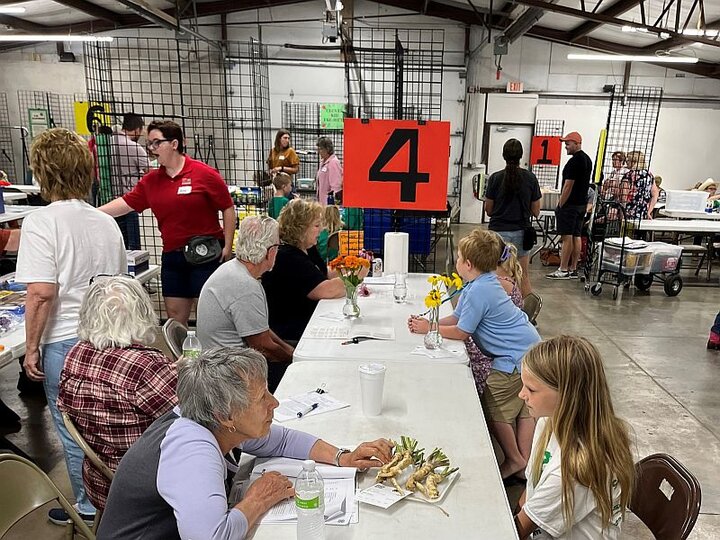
(558,274)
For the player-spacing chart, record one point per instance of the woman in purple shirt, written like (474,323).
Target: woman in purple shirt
(172,482)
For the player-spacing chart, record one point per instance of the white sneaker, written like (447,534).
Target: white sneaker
(559,274)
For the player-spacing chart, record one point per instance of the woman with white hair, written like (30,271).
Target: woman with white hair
(172,483)
(114,384)
(232,310)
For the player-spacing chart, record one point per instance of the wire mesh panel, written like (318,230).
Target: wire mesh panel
(218,95)
(547,175)
(397,74)
(59,109)
(394,73)
(632,122)
(303,120)
(7,160)
(631,127)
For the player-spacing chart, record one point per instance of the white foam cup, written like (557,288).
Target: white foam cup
(372,379)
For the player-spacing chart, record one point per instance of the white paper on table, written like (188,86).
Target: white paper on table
(380,495)
(330,316)
(288,408)
(339,491)
(381,280)
(384,332)
(446,351)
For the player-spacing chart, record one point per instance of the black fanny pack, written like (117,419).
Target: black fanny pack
(202,249)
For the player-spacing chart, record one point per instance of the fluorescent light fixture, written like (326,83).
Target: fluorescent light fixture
(634,58)
(54,37)
(700,32)
(11,10)
(627,28)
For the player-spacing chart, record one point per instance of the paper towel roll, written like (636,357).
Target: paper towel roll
(395,253)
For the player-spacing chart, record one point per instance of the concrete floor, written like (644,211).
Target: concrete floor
(664,383)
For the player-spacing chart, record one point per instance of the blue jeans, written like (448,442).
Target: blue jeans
(716,325)
(53,358)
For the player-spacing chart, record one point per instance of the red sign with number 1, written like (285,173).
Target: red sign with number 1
(396,164)
(545,151)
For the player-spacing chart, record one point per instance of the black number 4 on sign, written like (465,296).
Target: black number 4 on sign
(408,180)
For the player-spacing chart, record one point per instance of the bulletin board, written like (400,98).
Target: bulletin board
(396,164)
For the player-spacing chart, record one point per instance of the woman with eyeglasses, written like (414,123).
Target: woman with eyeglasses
(299,279)
(62,246)
(185,195)
(114,383)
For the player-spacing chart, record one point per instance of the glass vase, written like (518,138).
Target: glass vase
(433,339)
(351,309)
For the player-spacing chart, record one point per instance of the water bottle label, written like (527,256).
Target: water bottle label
(191,353)
(307,504)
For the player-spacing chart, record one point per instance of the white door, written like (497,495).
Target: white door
(499,134)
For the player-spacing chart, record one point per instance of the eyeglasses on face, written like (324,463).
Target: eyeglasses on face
(155,143)
(100,277)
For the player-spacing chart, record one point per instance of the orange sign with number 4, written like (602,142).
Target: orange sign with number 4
(396,164)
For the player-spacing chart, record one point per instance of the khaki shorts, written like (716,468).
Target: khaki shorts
(500,400)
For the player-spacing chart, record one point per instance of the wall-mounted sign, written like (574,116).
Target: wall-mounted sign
(332,115)
(38,120)
(545,150)
(515,87)
(396,164)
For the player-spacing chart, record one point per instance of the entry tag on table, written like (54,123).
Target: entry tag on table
(380,495)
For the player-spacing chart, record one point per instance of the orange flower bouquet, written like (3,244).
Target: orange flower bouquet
(348,268)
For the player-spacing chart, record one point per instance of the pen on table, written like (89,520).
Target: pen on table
(309,409)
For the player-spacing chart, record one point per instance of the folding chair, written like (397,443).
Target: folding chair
(25,488)
(666,498)
(532,304)
(92,456)
(174,334)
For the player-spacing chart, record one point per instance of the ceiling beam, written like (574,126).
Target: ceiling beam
(96,11)
(618,8)
(25,26)
(604,19)
(705,69)
(436,9)
(677,41)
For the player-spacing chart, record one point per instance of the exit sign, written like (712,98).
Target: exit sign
(515,87)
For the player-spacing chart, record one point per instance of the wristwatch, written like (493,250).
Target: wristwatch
(339,453)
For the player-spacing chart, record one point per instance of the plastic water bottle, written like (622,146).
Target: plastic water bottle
(191,346)
(310,503)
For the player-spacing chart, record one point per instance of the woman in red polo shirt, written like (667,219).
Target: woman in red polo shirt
(185,196)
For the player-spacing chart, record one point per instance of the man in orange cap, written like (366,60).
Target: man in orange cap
(570,211)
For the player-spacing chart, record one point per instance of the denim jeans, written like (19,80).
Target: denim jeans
(53,358)
(716,325)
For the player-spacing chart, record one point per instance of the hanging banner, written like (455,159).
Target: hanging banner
(396,164)
(332,115)
(545,150)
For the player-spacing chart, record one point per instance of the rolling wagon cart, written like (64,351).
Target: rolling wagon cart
(664,268)
(620,261)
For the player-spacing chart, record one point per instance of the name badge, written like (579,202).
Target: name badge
(324,169)
(184,190)
(281,157)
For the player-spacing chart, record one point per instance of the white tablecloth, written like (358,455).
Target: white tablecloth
(439,406)
(378,310)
